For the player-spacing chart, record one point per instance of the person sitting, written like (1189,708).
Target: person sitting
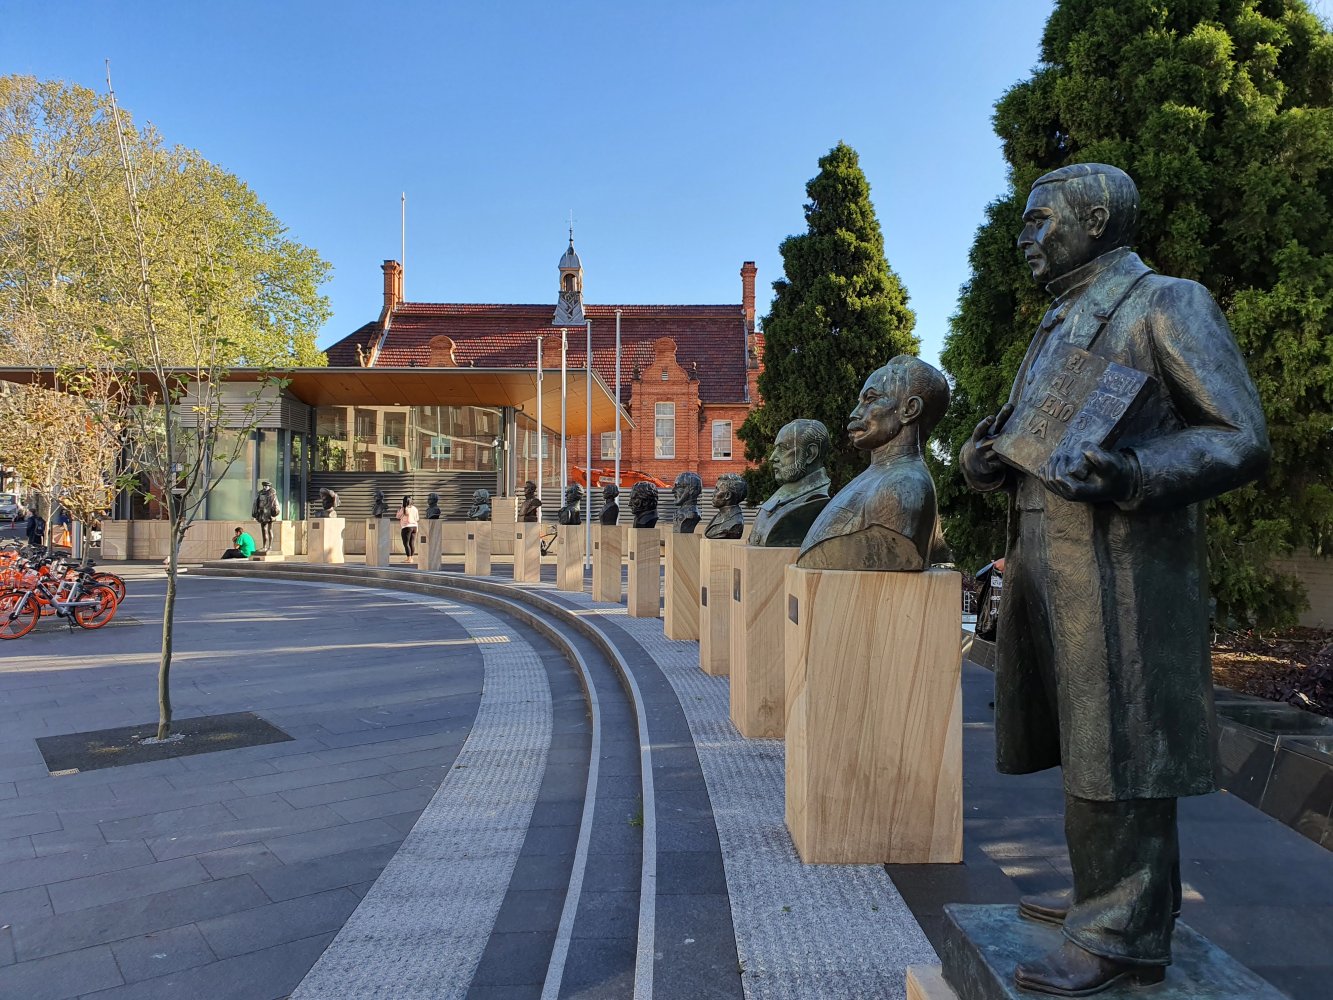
(243,546)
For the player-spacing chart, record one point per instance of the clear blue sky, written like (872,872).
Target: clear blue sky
(681,134)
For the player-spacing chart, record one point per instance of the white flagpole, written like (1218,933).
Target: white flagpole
(564,410)
(587,443)
(618,449)
(539,418)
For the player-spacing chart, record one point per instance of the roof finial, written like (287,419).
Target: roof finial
(571,227)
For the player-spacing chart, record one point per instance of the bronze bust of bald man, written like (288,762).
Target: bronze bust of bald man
(886,518)
(799,454)
(1102,664)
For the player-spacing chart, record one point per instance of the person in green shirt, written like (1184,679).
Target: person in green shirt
(243,546)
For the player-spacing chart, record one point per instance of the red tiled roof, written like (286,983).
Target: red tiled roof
(504,336)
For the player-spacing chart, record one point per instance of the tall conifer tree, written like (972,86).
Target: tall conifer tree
(838,314)
(1222,112)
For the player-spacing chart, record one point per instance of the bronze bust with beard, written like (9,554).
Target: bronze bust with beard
(798,458)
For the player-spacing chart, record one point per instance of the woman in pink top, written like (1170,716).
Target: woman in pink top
(407,520)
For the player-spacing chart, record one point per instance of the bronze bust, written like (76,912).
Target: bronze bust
(798,457)
(885,519)
(728,495)
(1102,652)
(379,507)
(481,506)
(531,509)
(643,505)
(432,507)
(686,490)
(610,504)
(572,511)
(328,502)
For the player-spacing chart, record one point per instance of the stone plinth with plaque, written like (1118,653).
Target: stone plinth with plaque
(680,618)
(326,539)
(569,542)
(607,582)
(758,610)
(504,515)
(528,552)
(644,583)
(477,550)
(874,716)
(715,604)
(379,541)
(430,545)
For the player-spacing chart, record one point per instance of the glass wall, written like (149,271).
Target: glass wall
(233,497)
(525,458)
(406,439)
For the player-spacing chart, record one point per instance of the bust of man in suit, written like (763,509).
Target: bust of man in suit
(686,490)
(798,457)
(572,511)
(531,509)
(886,518)
(729,521)
(643,505)
(610,504)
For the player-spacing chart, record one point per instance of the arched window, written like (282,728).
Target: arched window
(569,282)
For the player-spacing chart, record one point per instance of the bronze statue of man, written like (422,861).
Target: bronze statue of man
(379,507)
(728,495)
(432,507)
(265,512)
(1102,648)
(798,457)
(481,506)
(531,509)
(328,502)
(886,518)
(572,511)
(686,490)
(643,505)
(610,504)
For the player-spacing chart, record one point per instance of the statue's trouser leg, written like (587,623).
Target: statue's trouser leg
(1126,861)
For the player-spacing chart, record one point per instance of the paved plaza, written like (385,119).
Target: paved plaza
(498,791)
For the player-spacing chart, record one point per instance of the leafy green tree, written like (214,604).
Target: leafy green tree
(63,261)
(837,315)
(1222,112)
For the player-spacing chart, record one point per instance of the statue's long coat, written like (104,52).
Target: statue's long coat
(1127,582)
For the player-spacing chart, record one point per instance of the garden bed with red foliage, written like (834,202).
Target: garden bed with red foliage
(1292,665)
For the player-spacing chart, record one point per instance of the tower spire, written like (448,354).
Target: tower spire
(569,305)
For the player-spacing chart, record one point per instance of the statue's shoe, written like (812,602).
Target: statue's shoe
(1069,971)
(1053,907)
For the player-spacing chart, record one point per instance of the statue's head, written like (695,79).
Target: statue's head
(433,500)
(480,497)
(529,490)
(1076,214)
(687,488)
(265,484)
(610,491)
(801,447)
(325,493)
(906,394)
(731,490)
(643,496)
(379,495)
(573,494)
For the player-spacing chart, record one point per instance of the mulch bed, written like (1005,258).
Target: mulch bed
(1289,665)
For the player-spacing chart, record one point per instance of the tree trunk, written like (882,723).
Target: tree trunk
(164,665)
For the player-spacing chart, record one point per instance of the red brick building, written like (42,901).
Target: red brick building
(688,373)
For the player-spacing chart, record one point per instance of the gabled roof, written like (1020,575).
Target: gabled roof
(495,336)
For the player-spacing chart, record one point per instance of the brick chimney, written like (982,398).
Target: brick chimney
(393,286)
(748,271)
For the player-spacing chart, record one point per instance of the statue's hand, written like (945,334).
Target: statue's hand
(980,460)
(1091,475)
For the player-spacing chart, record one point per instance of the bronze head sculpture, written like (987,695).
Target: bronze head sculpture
(728,495)
(686,490)
(481,506)
(531,509)
(379,507)
(328,502)
(432,507)
(572,511)
(643,505)
(610,504)
(886,518)
(799,454)
(1132,407)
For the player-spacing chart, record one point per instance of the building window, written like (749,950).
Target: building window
(664,375)
(441,448)
(721,439)
(664,431)
(609,445)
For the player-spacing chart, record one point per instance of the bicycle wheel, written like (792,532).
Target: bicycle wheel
(16,621)
(116,584)
(96,615)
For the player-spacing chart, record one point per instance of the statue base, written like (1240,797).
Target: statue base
(715,604)
(504,515)
(607,584)
(874,716)
(477,554)
(267,557)
(758,610)
(681,617)
(569,543)
(379,541)
(644,584)
(982,944)
(326,539)
(528,552)
(430,545)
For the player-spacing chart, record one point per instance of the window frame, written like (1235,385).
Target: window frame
(731,441)
(659,449)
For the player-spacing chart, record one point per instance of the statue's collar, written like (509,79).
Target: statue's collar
(812,482)
(1077,279)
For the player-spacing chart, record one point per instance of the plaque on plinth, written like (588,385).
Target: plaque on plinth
(758,609)
(715,604)
(477,548)
(504,515)
(430,545)
(326,539)
(644,584)
(983,943)
(607,582)
(379,541)
(874,716)
(528,552)
(680,619)
(569,557)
